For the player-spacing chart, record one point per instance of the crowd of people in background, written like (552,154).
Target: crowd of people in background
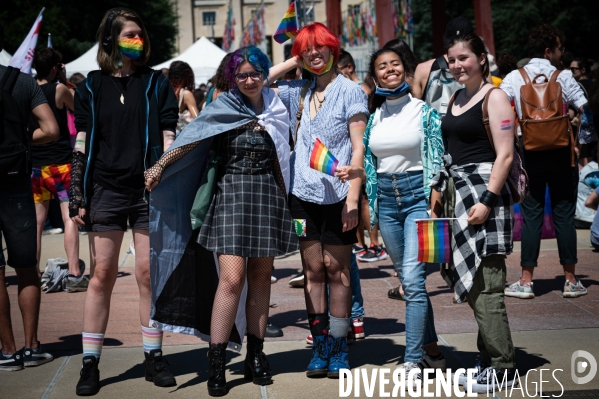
(414,140)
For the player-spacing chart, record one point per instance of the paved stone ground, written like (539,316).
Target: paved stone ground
(546,331)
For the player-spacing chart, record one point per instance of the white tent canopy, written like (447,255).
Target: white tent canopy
(203,57)
(84,64)
(5,57)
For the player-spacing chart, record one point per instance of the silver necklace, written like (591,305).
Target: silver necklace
(122,98)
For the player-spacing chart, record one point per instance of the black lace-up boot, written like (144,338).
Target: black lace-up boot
(256,364)
(89,382)
(156,370)
(217,384)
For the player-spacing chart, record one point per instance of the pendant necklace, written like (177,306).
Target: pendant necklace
(122,98)
(319,106)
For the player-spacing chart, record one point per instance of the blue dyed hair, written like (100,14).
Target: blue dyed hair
(251,54)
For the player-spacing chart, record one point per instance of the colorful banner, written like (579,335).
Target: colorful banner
(23,57)
(359,24)
(253,34)
(229,35)
(404,21)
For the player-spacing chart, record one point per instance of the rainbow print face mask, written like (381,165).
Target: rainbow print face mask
(131,48)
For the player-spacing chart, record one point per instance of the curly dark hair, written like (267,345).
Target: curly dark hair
(219,80)
(506,63)
(408,58)
(181,76)
(374,100)
(543,37)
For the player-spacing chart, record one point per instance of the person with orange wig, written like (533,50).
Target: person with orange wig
(325,207)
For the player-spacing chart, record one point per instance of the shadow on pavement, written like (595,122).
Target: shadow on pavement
(70,345)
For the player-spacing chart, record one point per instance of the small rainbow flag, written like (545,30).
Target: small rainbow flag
(288,27)
(433,240)
(322,160)
(131,48)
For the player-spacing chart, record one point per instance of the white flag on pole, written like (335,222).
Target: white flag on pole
(23,57)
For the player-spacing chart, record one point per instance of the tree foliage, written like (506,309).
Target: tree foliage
(512,21)
(73,24)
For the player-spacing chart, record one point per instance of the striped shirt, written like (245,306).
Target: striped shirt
(344,99)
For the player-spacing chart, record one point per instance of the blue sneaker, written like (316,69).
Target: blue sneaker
(14,362)
(338,356)
(320,357)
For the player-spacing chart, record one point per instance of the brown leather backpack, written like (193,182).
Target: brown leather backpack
(543,123)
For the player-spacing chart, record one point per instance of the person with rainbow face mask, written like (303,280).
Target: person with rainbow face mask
(126,116)
(324,207)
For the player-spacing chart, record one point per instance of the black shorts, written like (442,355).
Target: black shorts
(110,210)
(322,222)
(19,228)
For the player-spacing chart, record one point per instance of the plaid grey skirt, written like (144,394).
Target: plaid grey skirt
(248,215)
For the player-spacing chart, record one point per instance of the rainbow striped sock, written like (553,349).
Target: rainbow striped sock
(92,344)
(152,338)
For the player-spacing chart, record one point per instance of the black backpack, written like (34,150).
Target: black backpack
(15,154)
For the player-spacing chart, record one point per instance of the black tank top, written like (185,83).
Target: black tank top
(466,136)
(57,152)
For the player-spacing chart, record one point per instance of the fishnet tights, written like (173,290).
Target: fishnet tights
(327,264)
(230,285)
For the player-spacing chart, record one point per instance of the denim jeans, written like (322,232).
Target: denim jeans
(357,302)
(401,201)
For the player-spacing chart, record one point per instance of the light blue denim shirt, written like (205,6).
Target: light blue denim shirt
(343,99)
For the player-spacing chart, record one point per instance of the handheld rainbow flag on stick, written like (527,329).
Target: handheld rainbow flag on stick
(322,160)
(288,27)
(434,245)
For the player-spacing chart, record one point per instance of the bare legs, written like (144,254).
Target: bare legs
(29,303)
(71,235)
(104,251)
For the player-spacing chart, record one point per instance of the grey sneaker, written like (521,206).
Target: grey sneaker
(574,290)
(478,369)
(36,357)
(77,285)
(522,291)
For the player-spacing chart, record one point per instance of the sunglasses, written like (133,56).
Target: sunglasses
(575,68)
(242,77)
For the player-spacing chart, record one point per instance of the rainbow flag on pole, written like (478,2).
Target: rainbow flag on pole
(434,245)
(322,160)
(288,27)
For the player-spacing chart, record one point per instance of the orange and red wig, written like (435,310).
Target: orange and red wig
(315,35)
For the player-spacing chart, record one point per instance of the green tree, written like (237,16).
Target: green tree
(74,24)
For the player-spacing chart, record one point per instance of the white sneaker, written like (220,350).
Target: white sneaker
(273,279)
(297,281)
(428,362)
(132,249)
(417,379)
(574,290)
(57,230)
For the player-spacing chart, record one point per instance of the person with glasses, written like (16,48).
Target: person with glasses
(324,207)
(248,221)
